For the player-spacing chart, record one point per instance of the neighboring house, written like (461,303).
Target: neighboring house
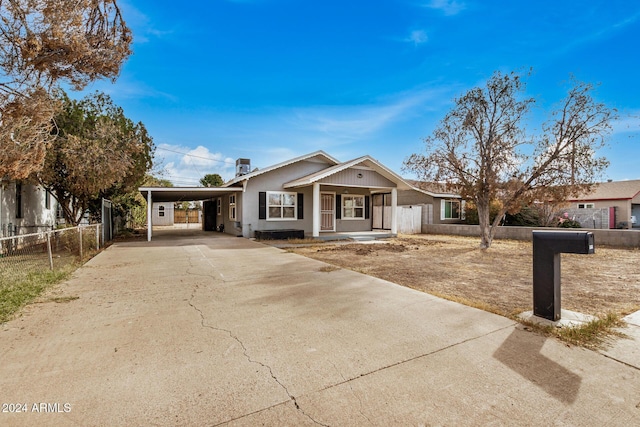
(438,206)
(619,199)
(163,213)
(25,208)
(315,193)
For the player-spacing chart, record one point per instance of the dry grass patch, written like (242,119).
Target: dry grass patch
(497,280)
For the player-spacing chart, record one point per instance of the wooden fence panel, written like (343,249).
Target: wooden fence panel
(180,217)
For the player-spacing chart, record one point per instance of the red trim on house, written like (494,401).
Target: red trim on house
(598,200)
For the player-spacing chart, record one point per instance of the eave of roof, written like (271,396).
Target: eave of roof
(439,195)
(179,194)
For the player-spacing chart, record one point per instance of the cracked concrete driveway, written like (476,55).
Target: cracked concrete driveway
(202,329)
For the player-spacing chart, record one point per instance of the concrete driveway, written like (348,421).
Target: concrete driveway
(201,329)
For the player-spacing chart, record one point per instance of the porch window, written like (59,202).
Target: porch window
(219,206)
(450,209)
(352,206)
(232,207)
(161,211)
(586,205)
(282,206)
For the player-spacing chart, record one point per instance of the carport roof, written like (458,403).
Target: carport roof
(180,194)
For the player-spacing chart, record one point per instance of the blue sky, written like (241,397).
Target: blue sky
(273,79)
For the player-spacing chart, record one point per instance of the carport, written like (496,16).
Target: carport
(178,194)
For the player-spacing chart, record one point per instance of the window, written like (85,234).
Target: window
(219,206)
(352,207)
(281,206)
(18,200)
(450,209)
(47,200)
(586,205)
(232,207)
(161,211)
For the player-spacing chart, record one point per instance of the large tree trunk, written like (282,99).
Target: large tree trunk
(486,236)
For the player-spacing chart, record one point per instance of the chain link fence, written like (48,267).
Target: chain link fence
(28,254)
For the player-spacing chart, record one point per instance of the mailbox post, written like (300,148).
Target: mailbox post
(547,247)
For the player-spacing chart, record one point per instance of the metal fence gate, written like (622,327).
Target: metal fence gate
(107,220)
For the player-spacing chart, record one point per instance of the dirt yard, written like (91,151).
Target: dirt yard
(499,279)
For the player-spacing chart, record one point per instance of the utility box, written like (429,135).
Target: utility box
(547,247)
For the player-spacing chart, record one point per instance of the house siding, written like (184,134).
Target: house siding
(35,216)
(167,218)
(273,181)
(352,225)
(430,215)
(233,227)
(357,177)
(622,210)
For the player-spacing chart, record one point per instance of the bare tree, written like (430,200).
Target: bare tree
(481,150)
(43,42)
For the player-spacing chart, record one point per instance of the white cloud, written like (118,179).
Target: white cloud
(417,37)
(185,166)
(448,7)
(201,156)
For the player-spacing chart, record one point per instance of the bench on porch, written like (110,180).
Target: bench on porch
(279,234)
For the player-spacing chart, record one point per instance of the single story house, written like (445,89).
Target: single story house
(439,206)
(620,198)
(163,213)
(314,193)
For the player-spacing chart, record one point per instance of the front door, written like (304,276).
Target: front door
(327,212)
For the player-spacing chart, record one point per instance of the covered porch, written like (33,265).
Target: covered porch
(360,196)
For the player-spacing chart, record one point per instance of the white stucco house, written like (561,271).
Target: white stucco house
(25,208)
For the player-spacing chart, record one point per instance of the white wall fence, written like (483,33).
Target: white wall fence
(410,219)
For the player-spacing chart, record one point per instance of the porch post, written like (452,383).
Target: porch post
(315,205)
(149,213)
(394,208)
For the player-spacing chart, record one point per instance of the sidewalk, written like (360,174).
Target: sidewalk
(197,329)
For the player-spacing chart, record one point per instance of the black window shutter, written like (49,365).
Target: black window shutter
(366,207)
(300,206)
(338,206)
(262,205)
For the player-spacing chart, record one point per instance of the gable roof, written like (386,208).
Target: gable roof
(316,154)
(613,190)
(367,161)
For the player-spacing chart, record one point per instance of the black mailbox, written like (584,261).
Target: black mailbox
(547,247)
